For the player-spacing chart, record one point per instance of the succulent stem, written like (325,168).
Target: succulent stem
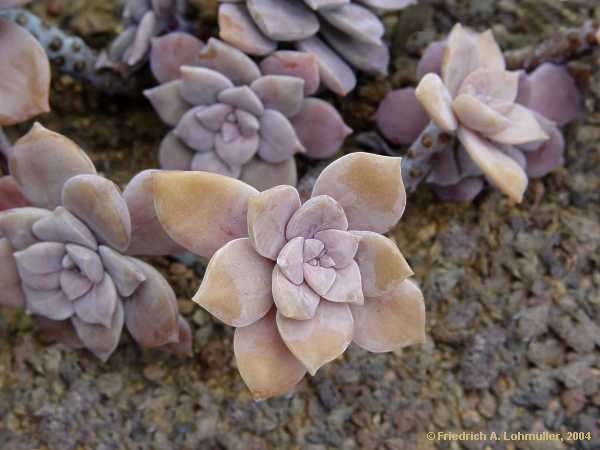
(558,49)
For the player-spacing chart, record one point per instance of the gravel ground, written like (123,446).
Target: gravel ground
(512,292)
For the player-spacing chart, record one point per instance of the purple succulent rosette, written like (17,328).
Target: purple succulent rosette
(63,258)
(300,282)
(143,20)
(232,118)
(344,35)
(506,123)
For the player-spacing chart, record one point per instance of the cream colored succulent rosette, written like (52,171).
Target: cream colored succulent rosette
(300,282)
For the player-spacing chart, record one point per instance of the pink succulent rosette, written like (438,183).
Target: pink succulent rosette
(63,257)
(344,35)
(300,282)
(232,117)
(506,122)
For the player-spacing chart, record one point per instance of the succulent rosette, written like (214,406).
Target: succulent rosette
(506,122)
(63,258)
(143,20)
(300,282)
(234,119)
(344,35)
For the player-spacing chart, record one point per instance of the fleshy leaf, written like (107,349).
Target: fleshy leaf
(280,92)
(268,215)
(202,86)
(431,60)
(229,61)
(283,20)
(548,156)
(211,162)
(173,154)
(263,175)
(347,287)
(41,282)
(320,128)
(51,304)
(356,21)
(322,339)
(382,265)
(318,213)
(201,211)
(499,168)
(265,363)
(168,102)
(42,161)
(523,127)
(294,301)
(16,226)
(554,94)
(10,194)
(87,261)
(392,321)
(242,97)
(101,341)
(99,203)
(461,57)
(24,75)
(341,246)
(320,279)
(464,191)
(73,284)
(41,258)
(123,271)
(236,287)
(437,102)
(294,64)
(369,57)
(183,347)
(147,234)
(477,116)
(62,226)
(151,314)
(11,294)
(400,116)
(192,133)
(98,305)
(489,85)
(237,28)
(334,72)
(170,52)
(369,187)
(290,260)
(279,141)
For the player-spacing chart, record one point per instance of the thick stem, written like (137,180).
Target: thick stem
(416,165)
(557,49)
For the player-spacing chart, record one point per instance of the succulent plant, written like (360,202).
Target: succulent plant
(506,122)
(299,282)
(234,119)
(342,34)
(62,258)
(143,20)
